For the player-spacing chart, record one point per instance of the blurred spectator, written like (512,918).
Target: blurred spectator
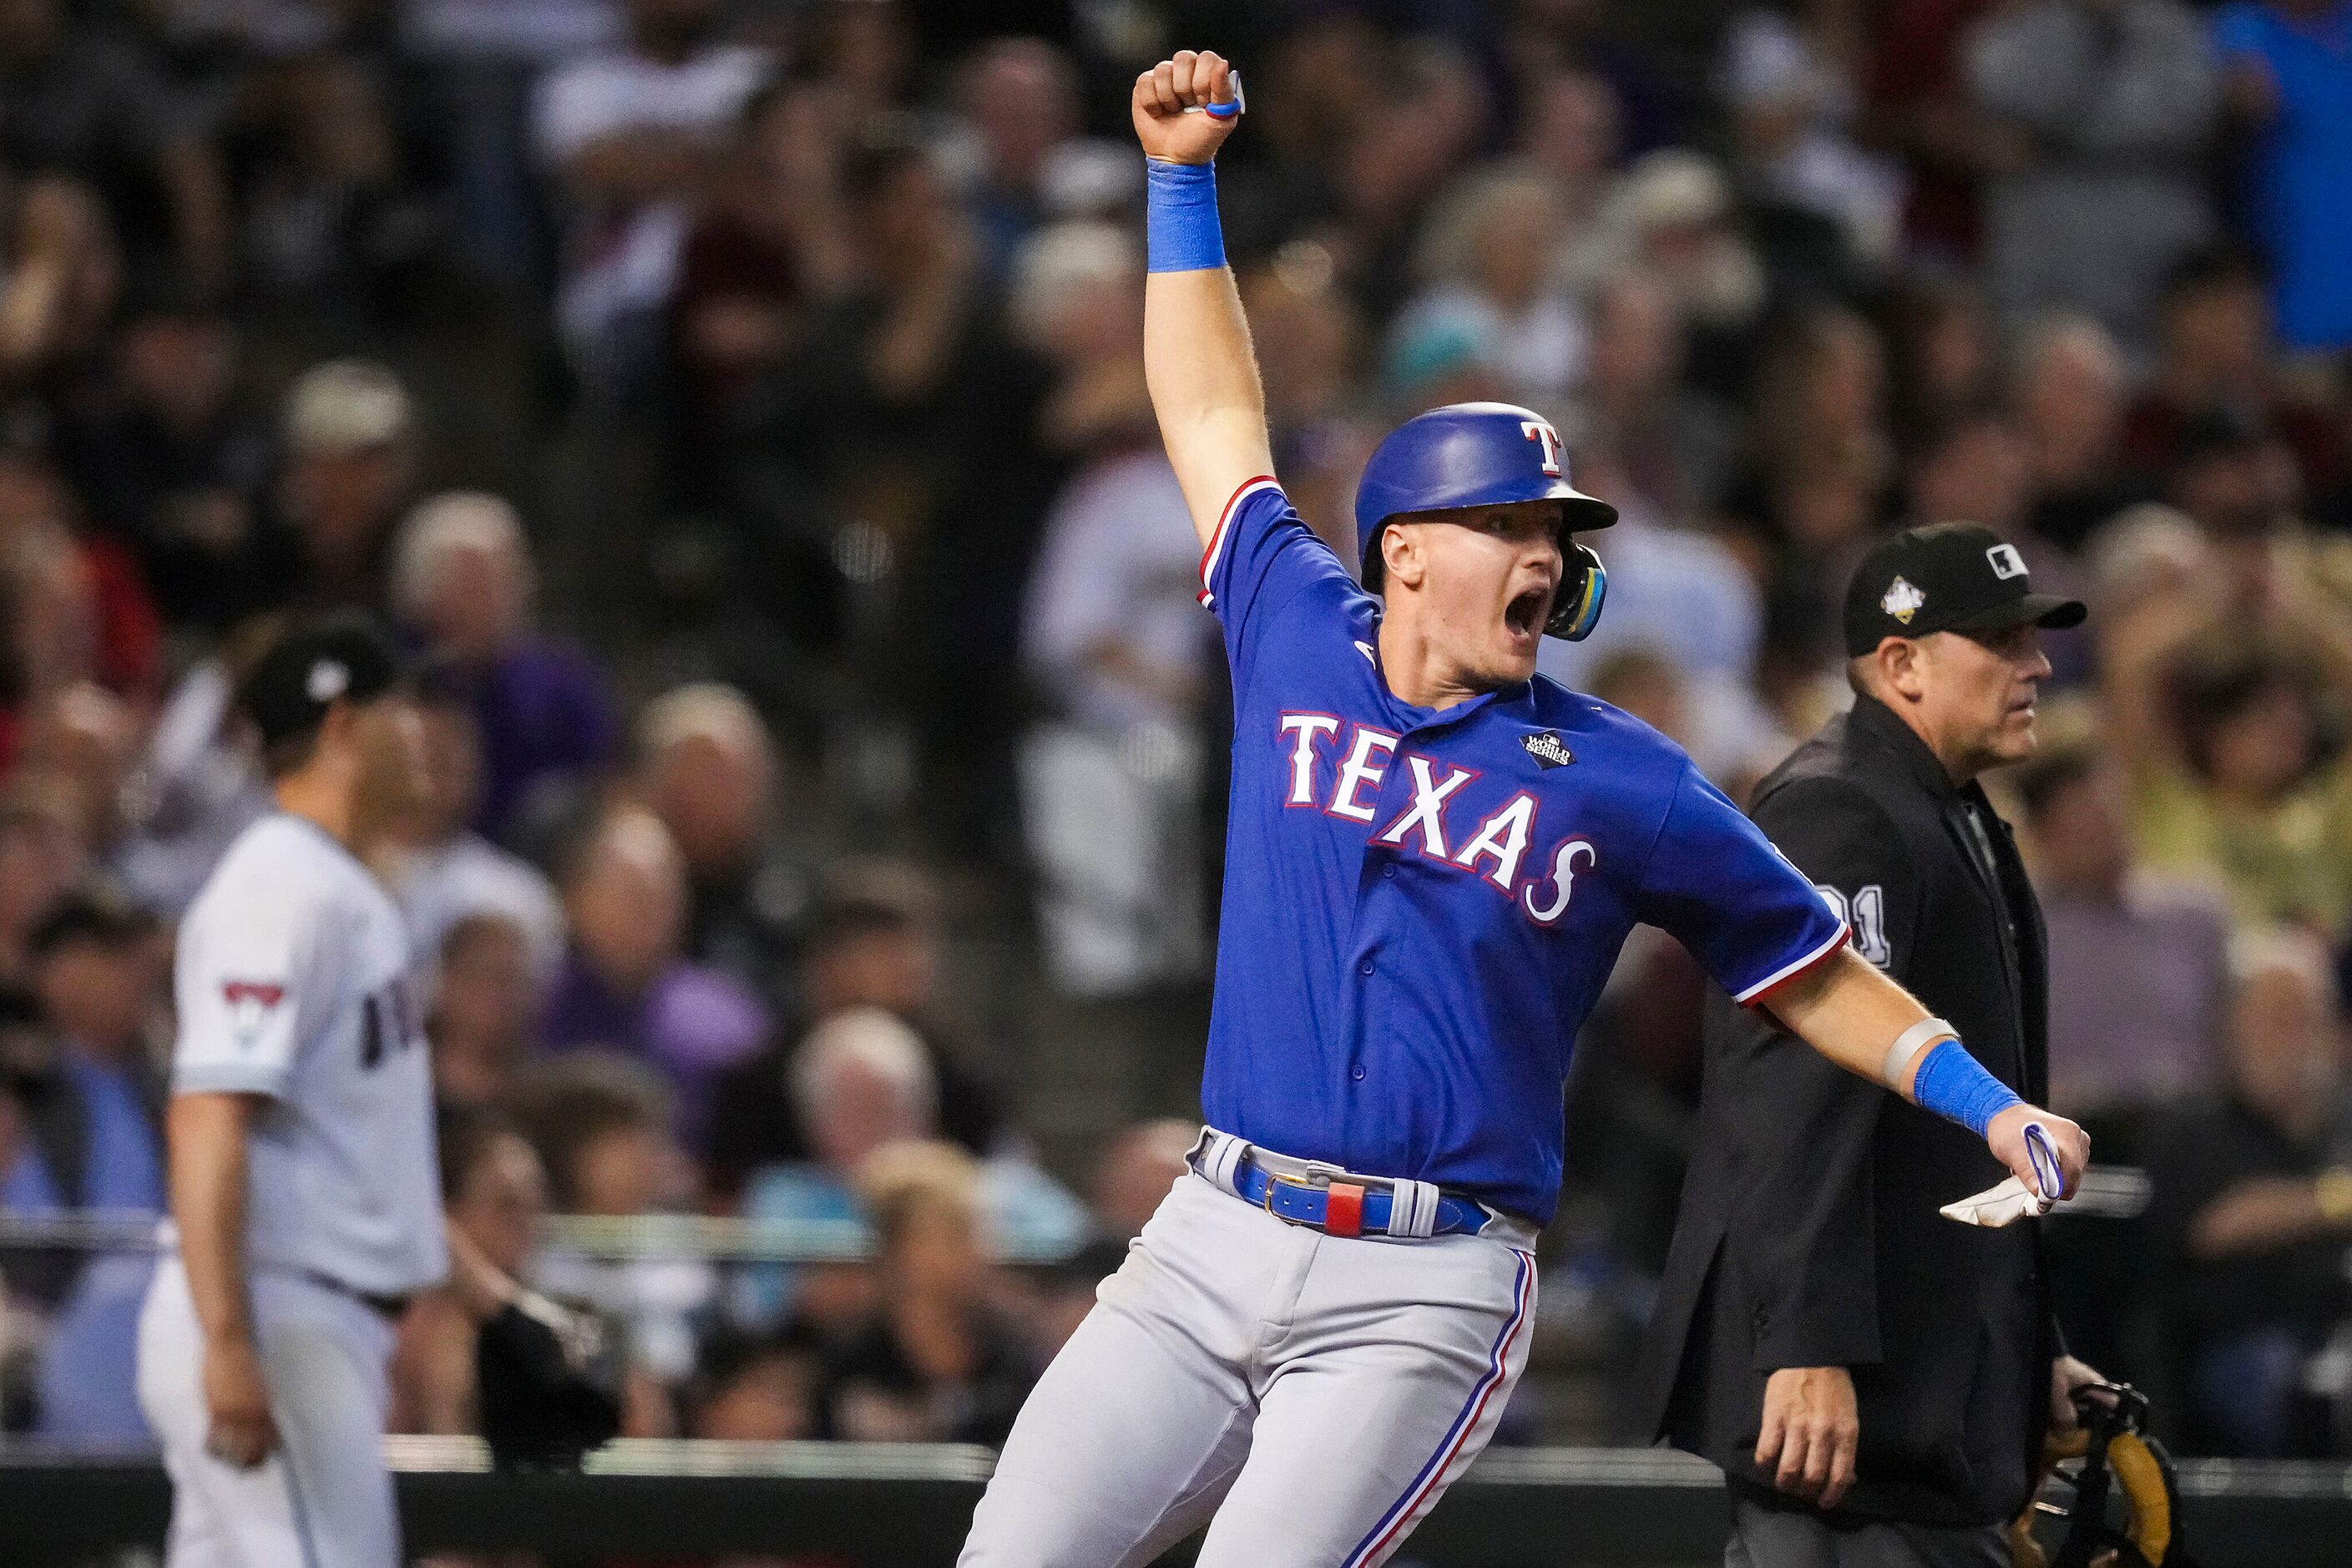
(442,872)
(73,606)
(1077,299)
(866,47)
(2105,110)
(333,224)
(462,582)
(1485,253)
(1135,1169)
(62,279)
(95,1131)
(872,945)
(1671,218)
(861,1081)
(603,1126)
(770,239)
(41,855)
(1119,658)
(1308,344)
(1583,36)
(2251,786)
(756,1388)
(87,101)
(2067,401)
(1975,468)
(858,1082)
(170,465)
(2287,79)
(476,61)
(2215,356)
(625,985)
(934,1362)
(2252,1210)
(1568,134)
(487,994)
(1018,100)
(1673,446)
(707,767)
(94,1140)
(85,738)
(2138,966)
(630,133)
(898,448)
(1817,478)
(1790,107)
(350,436)
(1398,152)
(494,1199)
(1942,358)
(1921,108)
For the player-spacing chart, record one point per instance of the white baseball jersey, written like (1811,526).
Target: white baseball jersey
(293,982)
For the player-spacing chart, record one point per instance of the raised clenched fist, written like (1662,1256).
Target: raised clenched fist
(1187,81)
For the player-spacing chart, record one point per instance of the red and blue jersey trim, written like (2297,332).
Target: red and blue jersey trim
(1216,548)
(1794,967)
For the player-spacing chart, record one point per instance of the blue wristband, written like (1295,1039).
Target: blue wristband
(1953,1085)
(1180,225)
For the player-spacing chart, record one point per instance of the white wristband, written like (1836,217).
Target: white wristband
(1909,1044)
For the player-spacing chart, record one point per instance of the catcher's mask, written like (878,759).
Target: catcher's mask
(2112,1484)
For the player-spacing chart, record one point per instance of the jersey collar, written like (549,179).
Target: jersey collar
(1410,716)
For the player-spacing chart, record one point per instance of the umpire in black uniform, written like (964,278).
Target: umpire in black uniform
(1874,1379)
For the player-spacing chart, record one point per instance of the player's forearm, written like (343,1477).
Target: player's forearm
(1870,1026)
(1203,374)
(206,1151)
(1849,1011)
(1196,344)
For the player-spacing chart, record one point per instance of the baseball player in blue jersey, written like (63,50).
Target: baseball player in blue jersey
(1433,855)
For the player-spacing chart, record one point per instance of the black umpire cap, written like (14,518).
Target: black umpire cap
(1945,577)
(343,657)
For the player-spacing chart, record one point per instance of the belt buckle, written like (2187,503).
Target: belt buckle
(1321,1174)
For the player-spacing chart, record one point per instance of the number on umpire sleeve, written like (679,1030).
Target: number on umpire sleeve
(1865,915)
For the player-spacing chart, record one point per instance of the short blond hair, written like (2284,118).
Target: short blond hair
(898,1181)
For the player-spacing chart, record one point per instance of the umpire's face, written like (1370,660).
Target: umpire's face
(1975,694)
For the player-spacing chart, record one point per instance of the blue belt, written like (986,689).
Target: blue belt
(1344,1208)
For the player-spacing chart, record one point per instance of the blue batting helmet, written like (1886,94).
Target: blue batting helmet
(1483,454)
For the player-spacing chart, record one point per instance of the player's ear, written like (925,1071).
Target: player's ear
(1401,555)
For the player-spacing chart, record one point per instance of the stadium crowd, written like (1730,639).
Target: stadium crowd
(852,851)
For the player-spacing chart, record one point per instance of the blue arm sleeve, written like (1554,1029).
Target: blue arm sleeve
(1956,1086)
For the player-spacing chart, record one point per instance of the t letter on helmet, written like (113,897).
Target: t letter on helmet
(1483,454)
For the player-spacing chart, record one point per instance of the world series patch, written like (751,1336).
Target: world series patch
(1548,749)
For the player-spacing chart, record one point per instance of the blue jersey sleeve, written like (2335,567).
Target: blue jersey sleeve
(1258,560)
(1717,884)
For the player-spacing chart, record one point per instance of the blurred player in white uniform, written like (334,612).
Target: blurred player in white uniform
(301,1160)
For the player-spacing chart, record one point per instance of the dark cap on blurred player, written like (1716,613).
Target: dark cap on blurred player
(345,656)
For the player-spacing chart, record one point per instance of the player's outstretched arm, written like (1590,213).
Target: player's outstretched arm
(1196,344)
(1857,1017)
